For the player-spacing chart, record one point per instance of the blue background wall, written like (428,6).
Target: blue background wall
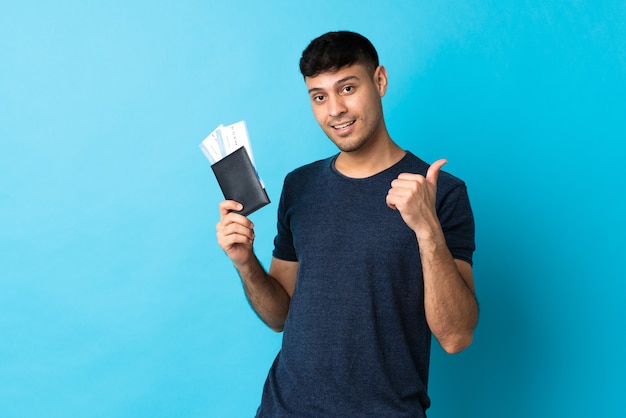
(115,300)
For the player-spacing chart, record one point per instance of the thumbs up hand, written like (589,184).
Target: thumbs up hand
(414,195)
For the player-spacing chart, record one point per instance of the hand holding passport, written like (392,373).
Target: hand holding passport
(228,149)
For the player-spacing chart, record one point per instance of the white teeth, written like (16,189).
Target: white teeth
(345,125)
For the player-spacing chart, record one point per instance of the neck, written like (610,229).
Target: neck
(370,160)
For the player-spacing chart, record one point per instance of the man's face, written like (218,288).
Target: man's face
(347,104)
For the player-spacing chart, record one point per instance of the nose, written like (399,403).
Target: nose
(336,106)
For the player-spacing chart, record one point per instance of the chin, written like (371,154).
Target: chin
(348,149)
(349,146)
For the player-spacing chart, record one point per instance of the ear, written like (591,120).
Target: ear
(380,79)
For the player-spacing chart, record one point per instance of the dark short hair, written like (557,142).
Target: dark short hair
(335,50)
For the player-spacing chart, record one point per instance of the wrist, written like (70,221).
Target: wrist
(430,236)
(246,263)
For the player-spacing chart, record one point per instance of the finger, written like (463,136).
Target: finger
(410,176)
(397,198)
(233,222)
(234,233)
(433,171)
(408,181)
(390,200)
(229,241)
(227,206)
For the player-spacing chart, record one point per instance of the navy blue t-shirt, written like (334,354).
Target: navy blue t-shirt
(356,342)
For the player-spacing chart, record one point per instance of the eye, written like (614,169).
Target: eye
(318,98)
(348,89)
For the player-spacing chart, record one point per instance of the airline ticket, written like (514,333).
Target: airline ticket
(226,139)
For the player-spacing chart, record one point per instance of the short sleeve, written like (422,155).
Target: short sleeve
(457,221)
(283,242)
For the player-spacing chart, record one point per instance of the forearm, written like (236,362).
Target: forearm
(267,297)
(449,300)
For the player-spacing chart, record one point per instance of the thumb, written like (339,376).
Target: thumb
(433,171)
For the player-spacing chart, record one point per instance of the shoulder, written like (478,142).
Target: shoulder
(309,171)
(313,167)
(451,190)
(445,181)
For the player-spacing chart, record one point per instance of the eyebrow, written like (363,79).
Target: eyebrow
(340,81)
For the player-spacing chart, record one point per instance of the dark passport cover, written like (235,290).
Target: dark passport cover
(239,181)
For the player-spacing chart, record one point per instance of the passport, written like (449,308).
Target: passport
(229,151)
(239,181)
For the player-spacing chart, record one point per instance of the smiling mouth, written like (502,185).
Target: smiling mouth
(343,125)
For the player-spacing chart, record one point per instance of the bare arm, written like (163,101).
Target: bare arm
(449,299)
(268,294)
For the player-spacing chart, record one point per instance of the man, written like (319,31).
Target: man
(373,255)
